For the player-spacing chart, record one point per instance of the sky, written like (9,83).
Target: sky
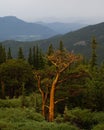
(54,10)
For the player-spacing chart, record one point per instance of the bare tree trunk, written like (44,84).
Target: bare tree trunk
(52,101)
(44,96)
(43,104)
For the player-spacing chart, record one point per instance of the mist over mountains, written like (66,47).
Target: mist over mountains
(13,28)
(78,41)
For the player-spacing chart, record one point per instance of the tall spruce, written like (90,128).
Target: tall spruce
(37,57)
(2,54)
(38,60)
(50,50)
(20,54)
(9,56)
(61,46)
(93,61)
(41,61)
(34,56)
(30,57)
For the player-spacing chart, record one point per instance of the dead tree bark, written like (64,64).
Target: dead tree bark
(52,100)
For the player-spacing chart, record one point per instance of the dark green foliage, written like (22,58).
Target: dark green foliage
(28,119)
(50,50)
(38,59)
(14,74)
(61,46)
(93,61)
(83,118)
(99,127)
(13,103)
(9,56)
(2,54)
(20,53)
(30,57)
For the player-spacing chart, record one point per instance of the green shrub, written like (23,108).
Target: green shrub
(98,117)
(5,125)
(99,127)
(59,119)
(31,114)
(10,103)
(82,118)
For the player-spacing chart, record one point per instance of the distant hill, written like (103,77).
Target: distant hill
(12,28)
(62,28)
(78,41)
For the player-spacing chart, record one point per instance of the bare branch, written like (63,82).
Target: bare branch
(63,59)
(47,106)
(59,100)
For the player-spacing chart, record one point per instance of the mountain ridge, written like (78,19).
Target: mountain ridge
(12,28)
(77,41)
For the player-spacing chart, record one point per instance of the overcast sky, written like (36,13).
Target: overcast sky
(35,10)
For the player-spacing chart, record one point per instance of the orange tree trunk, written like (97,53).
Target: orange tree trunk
(52,95)
(42,94)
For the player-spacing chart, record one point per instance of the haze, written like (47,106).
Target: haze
(54,10)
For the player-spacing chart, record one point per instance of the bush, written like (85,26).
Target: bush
(83,118)
(5,125)
(98,117)
(31,114)
(98,127)
(59,119)
(79,117)
(10,103)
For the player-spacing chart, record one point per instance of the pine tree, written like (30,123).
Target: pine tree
(93,62)
(61,46)
(9,56)
(2,54)
(37,57)
(38,61)
(30,58)
(50,50)
(34,56)
(20,54)
(41,62)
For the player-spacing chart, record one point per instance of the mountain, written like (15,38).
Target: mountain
(12,28)
(77,41)
(80,41)
(62,28)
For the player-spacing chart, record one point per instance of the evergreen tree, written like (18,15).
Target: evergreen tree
(37,57)
(9,56)
(41,62)
(30,58)
(2,54)
(34,56)
(94,55)
(50,50)
(38,61)
(20,54)
(61,46)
